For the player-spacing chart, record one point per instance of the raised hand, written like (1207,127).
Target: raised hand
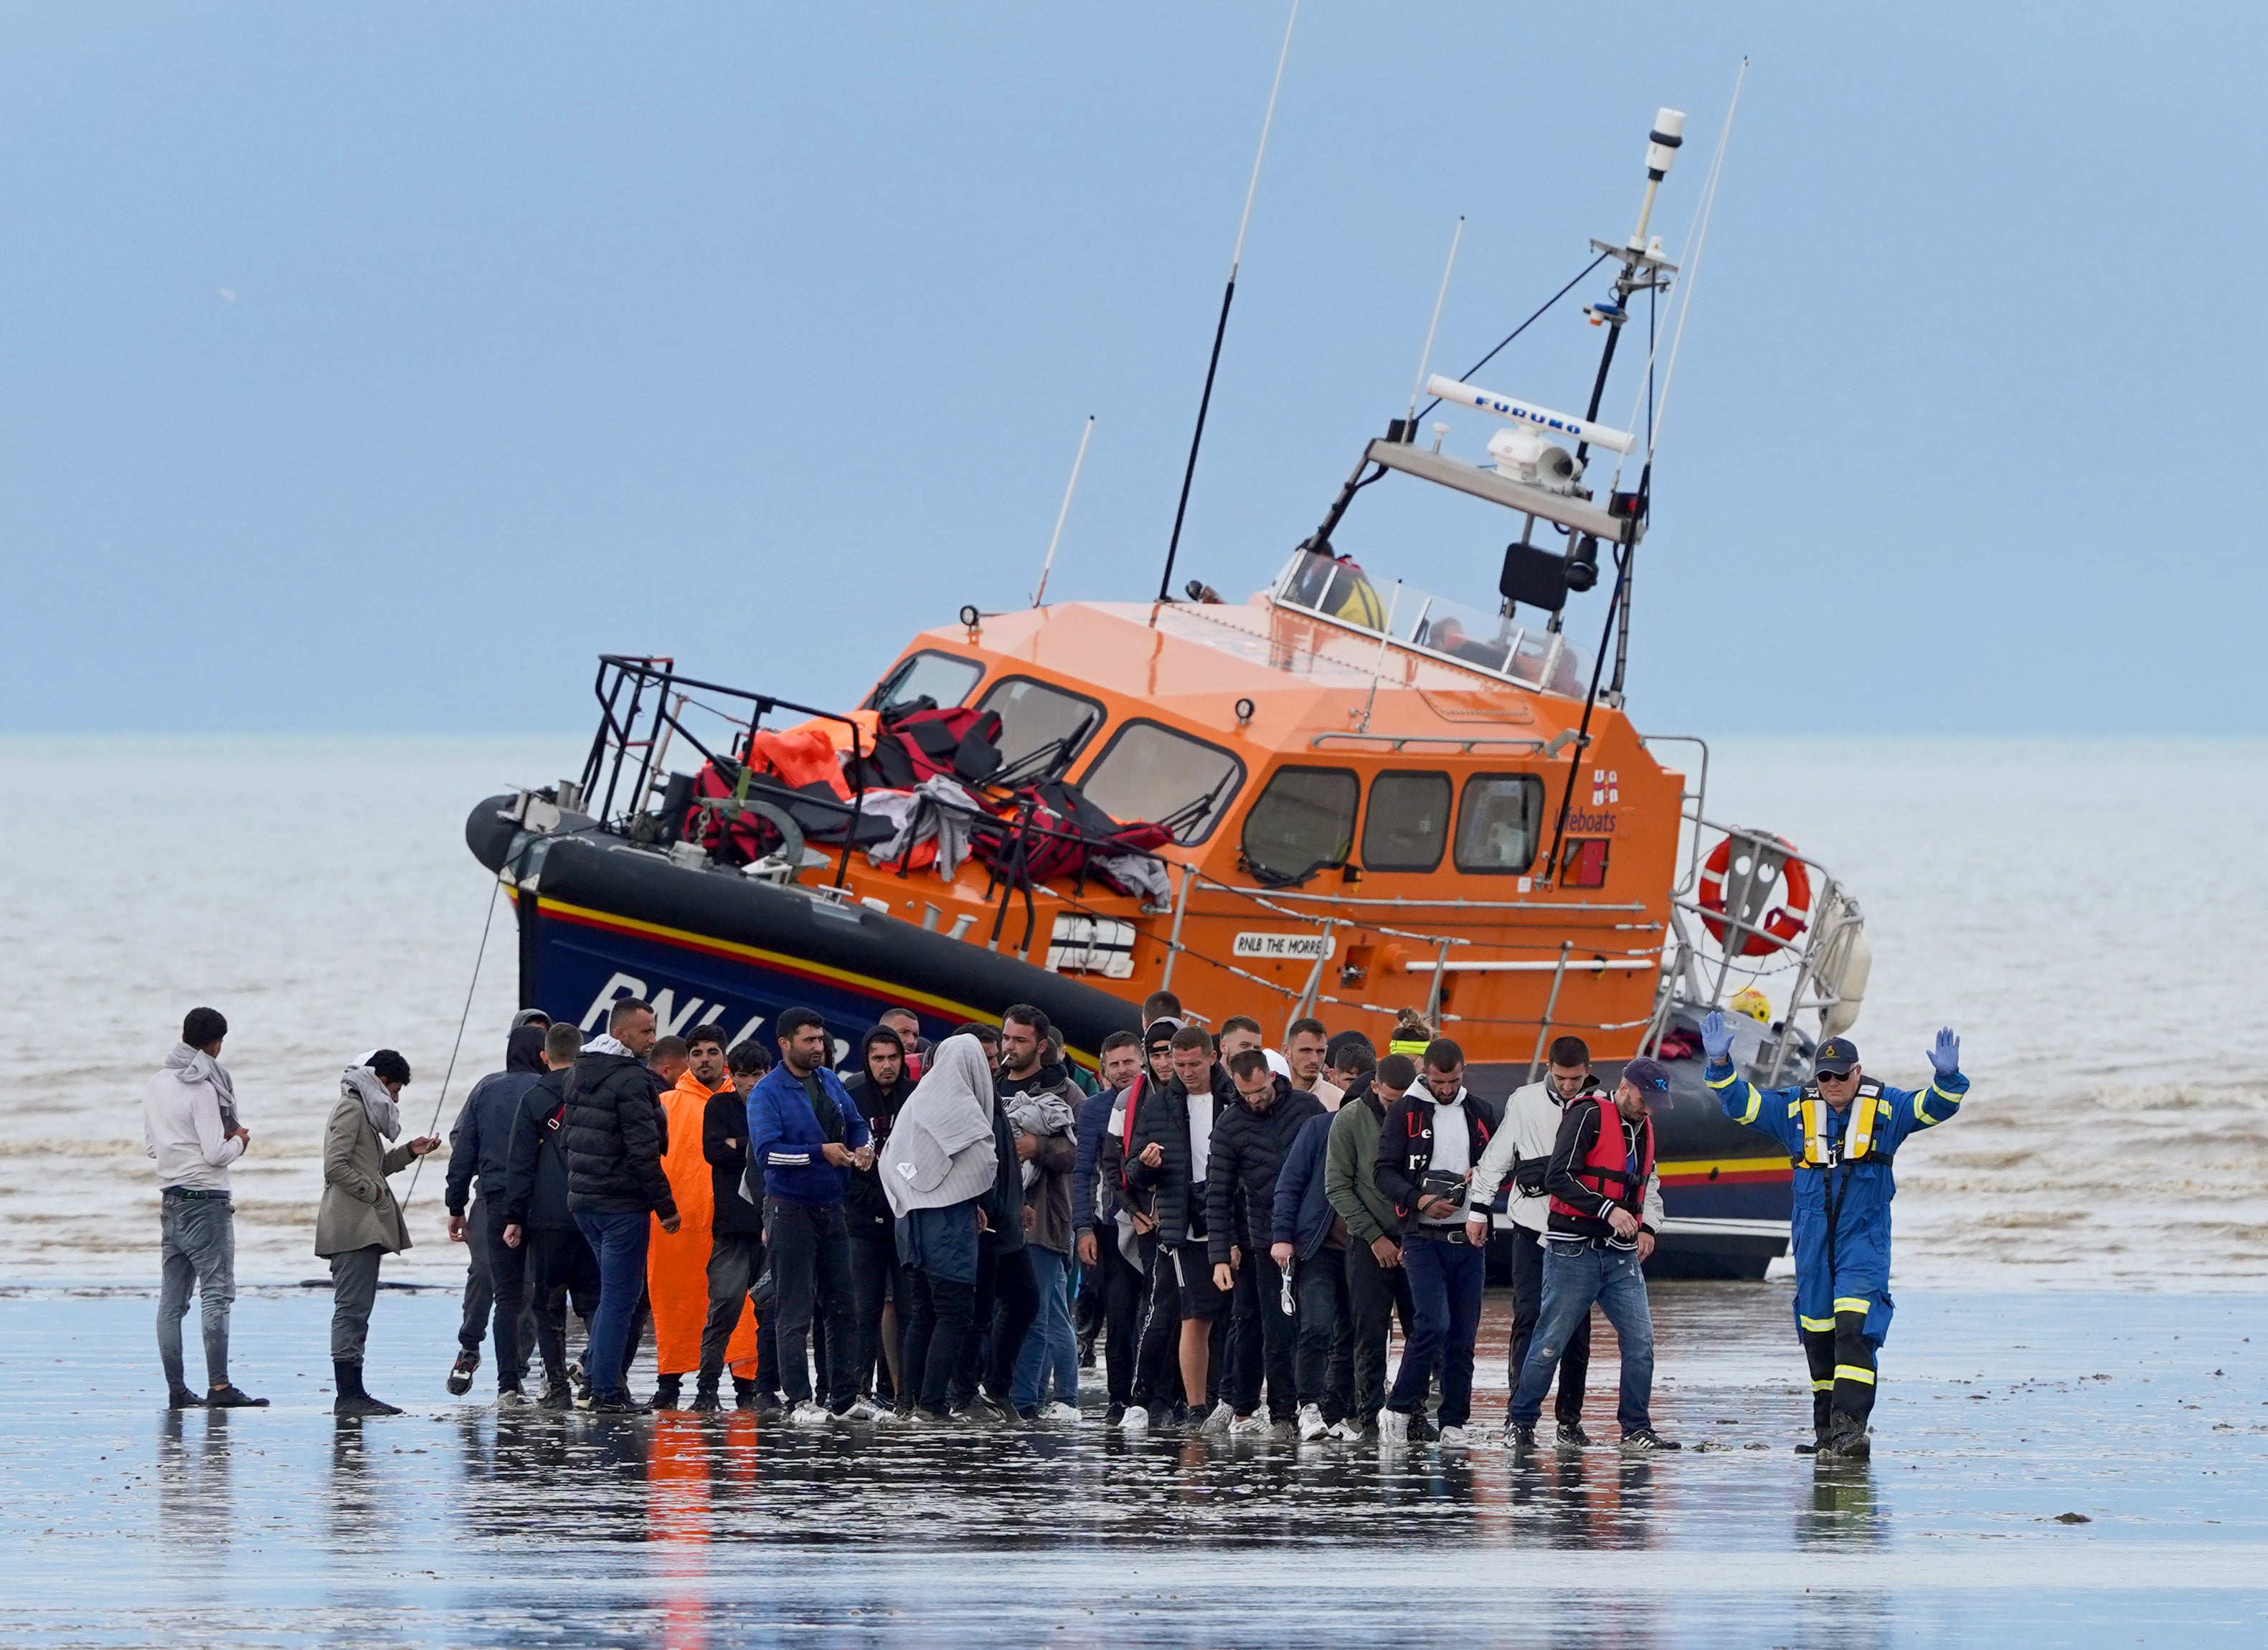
(1716,1036)
(1945,1053)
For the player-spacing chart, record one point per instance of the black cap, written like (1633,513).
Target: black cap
(1837,1056)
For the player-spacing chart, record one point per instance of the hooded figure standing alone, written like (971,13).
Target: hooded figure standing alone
(360,1220)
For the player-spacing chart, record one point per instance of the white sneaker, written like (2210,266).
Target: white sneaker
(1393,1428)
(1220,1422)
(1456,1437)
(1137,1419)
(1262,1416)
(1060,1414)
(1246,1426)
(809,1414)
(1311,1424)
(864,1410)
(1347,1432)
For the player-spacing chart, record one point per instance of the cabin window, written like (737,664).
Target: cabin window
(1408,824)
(1499,822)
(1148,771)
(944,677)
(1303,821)
(1042,727)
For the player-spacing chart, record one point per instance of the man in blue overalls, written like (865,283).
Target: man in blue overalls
(1842,1130)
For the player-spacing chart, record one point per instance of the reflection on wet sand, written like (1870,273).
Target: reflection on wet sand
(461,1524)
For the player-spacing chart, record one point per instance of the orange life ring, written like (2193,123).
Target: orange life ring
(1781,924)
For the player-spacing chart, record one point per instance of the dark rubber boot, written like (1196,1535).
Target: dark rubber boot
(744,1392)
(666,1389)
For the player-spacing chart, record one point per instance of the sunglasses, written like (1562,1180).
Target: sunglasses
(1835,1076)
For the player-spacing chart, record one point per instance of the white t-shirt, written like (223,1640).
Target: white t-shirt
(1452,1151)
(1200,1138)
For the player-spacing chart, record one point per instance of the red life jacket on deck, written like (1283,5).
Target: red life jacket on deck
(1606,1171)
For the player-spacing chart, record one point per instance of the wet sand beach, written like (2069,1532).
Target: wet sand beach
(2050,1469)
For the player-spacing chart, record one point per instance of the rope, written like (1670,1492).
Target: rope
(1516,331)
(463,1019)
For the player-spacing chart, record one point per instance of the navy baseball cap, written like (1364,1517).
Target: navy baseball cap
(1837,1056)
(1650,1076)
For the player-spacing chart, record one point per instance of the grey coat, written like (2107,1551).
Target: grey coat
(359,1209)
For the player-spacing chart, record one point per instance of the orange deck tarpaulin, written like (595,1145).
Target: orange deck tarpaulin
(677,1268)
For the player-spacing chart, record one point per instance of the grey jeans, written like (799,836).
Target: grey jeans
(479,1276)
(354,1291)
(196,1248)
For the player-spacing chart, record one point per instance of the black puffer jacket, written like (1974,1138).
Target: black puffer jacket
(1163,1118)
(614,1137)
(1248,1148)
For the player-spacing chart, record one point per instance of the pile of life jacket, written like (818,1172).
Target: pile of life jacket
(1053,831)
(915,741)
(795,758)
(1039,832)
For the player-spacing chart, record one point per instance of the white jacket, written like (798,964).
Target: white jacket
(1529,1131)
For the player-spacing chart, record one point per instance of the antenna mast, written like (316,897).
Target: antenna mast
(1047,566)
(1220,330)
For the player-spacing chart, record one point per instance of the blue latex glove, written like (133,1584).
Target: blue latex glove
(1716,1038)
(1945,1054)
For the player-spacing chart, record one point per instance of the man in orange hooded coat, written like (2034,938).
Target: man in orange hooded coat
(677,1266)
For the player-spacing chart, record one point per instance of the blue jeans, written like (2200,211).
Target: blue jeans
(1573,1278)
(1051,1345)
(1445,1288)
(619,1241)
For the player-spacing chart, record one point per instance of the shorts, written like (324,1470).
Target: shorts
(1193,1272)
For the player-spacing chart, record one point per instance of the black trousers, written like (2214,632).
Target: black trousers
(937,1314)
(810,1248)
(1325,1358)
(1526,1307)
(1271,1340)
(1007,1302)
(878,1279)
(1375,1295)
(735,1259)
(1121,1281)
(560,1268)
(515,1319)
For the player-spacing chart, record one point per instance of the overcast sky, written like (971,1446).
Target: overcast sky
(374,367)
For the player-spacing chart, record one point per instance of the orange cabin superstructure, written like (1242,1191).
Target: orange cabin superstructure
(1374,808)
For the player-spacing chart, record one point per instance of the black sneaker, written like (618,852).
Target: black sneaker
(1113,1414)
(1572,1436)
(182,1398)
(557,1395)
(460,1373)
(764,1403)
(610,1404)
(666,1393)
(1646,1441)
(705,1401)
(361,1405)
(232,1396)
(1518,1437)
(1422,1431)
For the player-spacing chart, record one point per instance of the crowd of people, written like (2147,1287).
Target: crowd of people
(941,1235)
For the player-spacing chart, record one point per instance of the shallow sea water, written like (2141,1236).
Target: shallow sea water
(2085,911)
(2145,1416)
